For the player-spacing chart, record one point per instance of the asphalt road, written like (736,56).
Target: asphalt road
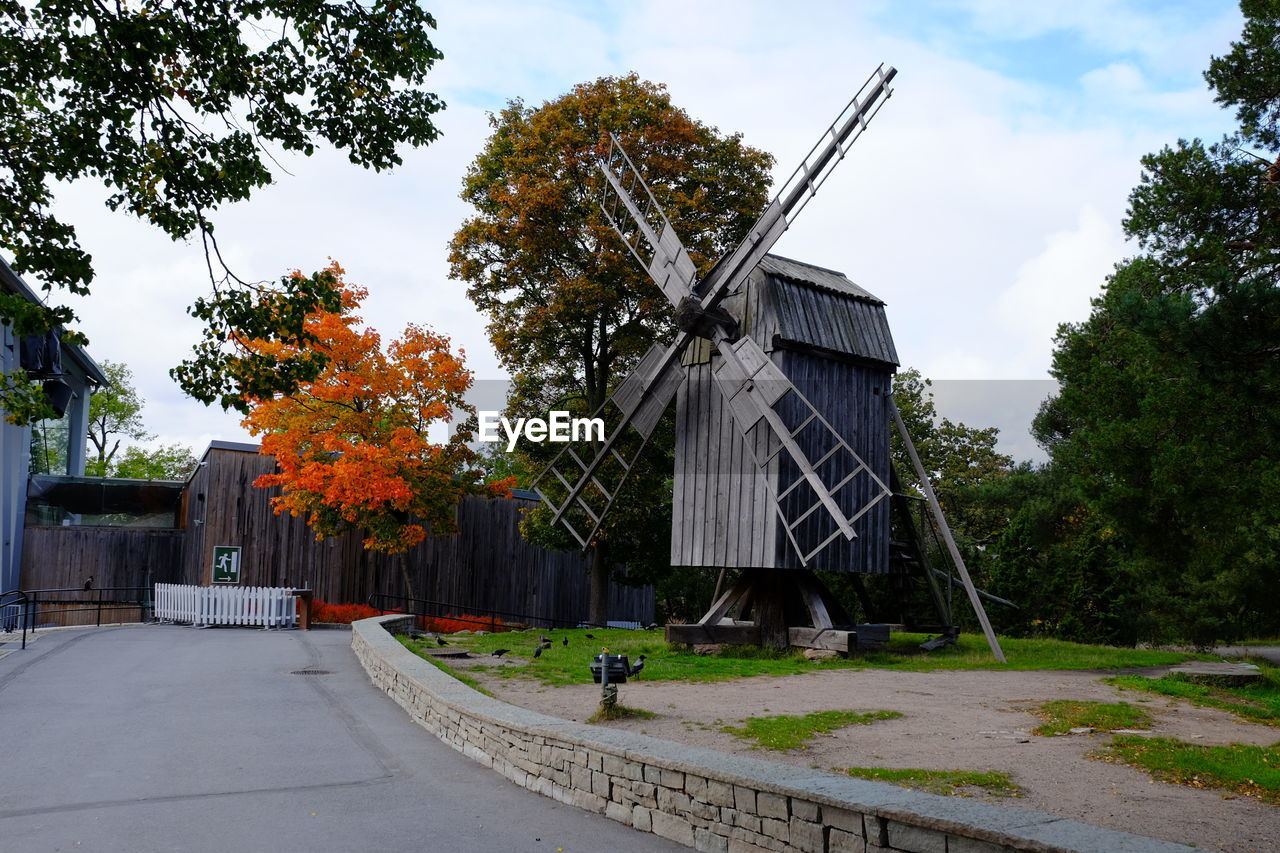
(159,737)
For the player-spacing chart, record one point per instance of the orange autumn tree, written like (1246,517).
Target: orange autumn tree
(351,445)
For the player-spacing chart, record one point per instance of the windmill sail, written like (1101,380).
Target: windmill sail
(827,486)
(799,188)
(643,227)
(583,481)
(582,484)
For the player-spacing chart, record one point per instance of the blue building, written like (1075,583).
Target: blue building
(55,446)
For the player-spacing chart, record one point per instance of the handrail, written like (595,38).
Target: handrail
(488,616)
(30,601)
(20,600)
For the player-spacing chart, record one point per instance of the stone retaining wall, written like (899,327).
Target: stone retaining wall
(702,798)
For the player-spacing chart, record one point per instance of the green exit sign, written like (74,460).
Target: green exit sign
(226,564)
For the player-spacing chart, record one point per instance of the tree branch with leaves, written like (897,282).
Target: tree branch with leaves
(175,108)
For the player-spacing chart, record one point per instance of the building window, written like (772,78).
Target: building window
(50,447)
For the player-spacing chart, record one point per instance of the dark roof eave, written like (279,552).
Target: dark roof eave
(12,281)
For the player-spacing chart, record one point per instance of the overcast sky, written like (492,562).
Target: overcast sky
(984,204)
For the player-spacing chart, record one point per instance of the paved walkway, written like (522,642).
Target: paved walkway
(149,738)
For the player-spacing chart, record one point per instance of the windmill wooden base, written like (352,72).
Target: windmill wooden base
(776,608)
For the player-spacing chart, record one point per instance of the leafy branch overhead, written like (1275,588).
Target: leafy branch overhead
(351,444)
(175,106)
(236,359)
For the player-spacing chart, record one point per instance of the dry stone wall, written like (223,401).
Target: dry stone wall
(704,799)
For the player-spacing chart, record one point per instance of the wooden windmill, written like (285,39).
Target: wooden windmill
(781,372)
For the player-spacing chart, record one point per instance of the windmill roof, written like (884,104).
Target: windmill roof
(815,276)
(814,308)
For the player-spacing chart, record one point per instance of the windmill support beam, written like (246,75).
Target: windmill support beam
(759,599)
(945,529)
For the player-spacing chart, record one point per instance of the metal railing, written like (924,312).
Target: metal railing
(28,607)
(485,619)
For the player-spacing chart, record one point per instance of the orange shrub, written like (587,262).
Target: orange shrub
(450,624)
(322,611)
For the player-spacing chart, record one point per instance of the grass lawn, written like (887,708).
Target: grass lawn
(1250,770)
(1062,715)
(783,732)
(562,664)
(946,782)
(1257,703)
(416,648)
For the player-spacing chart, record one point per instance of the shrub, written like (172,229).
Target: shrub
(322,611)
(450,624)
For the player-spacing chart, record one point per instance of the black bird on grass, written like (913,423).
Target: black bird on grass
(440,641)
(564,640)
(542,638)
(636,667)
(537,653)
(589,636)
(497,653)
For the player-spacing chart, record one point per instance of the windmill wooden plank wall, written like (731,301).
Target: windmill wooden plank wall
(831,338)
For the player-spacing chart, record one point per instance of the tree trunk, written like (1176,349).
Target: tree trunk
(598,606)
(408,580)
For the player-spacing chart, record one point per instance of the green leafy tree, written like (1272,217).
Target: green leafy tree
(1168,420)
(499,465)
(173,106)
(959,460)
(1059,561)
(115,414)
(570,312)
(165,462)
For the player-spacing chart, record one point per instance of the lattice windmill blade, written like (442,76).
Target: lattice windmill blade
(583,481)
(583,489)
(822,483)
(803,184)
(634,213)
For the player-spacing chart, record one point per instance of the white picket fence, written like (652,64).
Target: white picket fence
(268,606)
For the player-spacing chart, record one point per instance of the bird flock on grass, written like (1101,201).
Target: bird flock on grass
(544,643)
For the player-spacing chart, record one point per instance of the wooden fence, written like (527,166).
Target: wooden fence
(65,558)
(269,607)
(486,567)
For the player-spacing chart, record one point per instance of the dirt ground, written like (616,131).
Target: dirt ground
(956,721)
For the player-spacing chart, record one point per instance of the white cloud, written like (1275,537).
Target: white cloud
(973,198)
(1168,35)
(1057,285)
(1123,88)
